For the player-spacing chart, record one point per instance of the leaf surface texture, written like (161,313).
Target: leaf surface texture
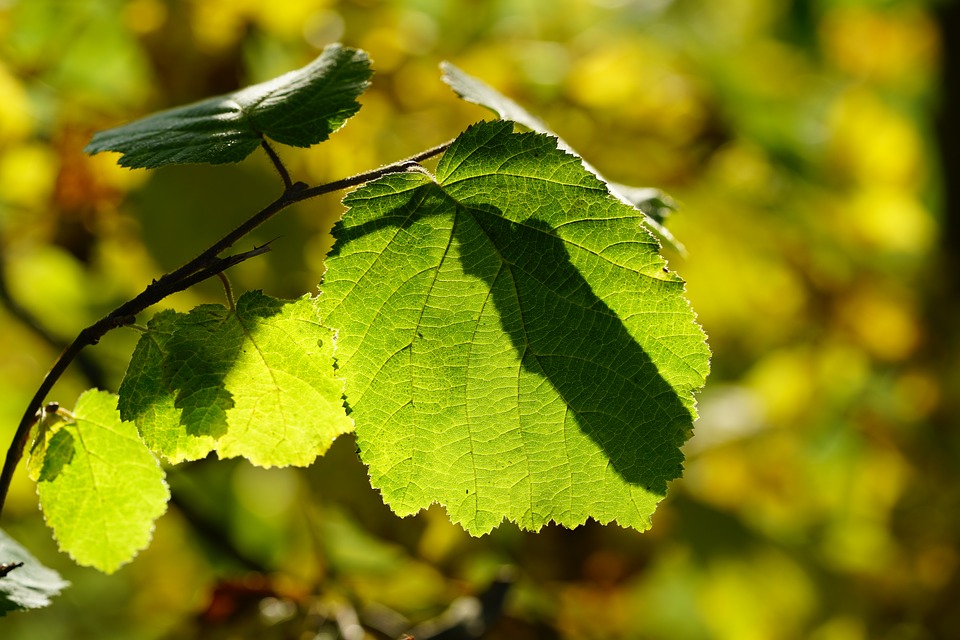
(30,586)
(513,344)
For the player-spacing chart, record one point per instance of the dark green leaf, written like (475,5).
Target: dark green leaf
(300,108)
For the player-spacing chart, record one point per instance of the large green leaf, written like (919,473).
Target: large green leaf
(100,487)
(27,586)
(300,108)
(257,381)
(652,202)
(514,346)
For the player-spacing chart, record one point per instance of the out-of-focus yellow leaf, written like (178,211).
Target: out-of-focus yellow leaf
(731,595)
(144,16)
(889,46)
(27,174)
(16,120)
(873,143)
(885,324)
(888,219)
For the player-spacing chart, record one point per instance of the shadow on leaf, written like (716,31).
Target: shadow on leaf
(59,453)
(561,331)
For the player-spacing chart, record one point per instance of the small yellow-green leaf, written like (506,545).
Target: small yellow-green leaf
(100,487)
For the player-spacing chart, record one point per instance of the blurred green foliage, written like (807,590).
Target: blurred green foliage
(820,496)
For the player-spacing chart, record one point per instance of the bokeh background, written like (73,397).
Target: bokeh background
(811,146)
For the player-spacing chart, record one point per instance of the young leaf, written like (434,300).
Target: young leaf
(257,381)
(478,92)
(300,108)
(100,488)
(513,344)
(27,586)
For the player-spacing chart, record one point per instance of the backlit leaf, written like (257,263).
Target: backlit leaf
(100,487)
(513,344)
(146,399)
(257,382)
(652,202)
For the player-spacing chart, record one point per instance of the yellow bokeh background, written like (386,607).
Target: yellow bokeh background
(801,141)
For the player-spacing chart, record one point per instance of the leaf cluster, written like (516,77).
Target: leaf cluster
(506,336)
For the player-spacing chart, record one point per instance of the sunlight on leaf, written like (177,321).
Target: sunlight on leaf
(652,202)
(100,488)
(525,354)
(257,382)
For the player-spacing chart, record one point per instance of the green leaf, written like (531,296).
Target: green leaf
(513,344)
(300,108)
(650,201)
(146,399)
(257,382)
(100,487)
(30,586)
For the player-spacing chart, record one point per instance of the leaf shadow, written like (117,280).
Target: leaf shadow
(565,333)
(58,454)
(204,350)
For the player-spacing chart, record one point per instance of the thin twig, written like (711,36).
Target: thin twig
(205,265)
(360,178)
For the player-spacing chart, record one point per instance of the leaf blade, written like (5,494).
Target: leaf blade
(100,487)
(529,359)
(288,404)
(257,381)
(146,399)
(299,108)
